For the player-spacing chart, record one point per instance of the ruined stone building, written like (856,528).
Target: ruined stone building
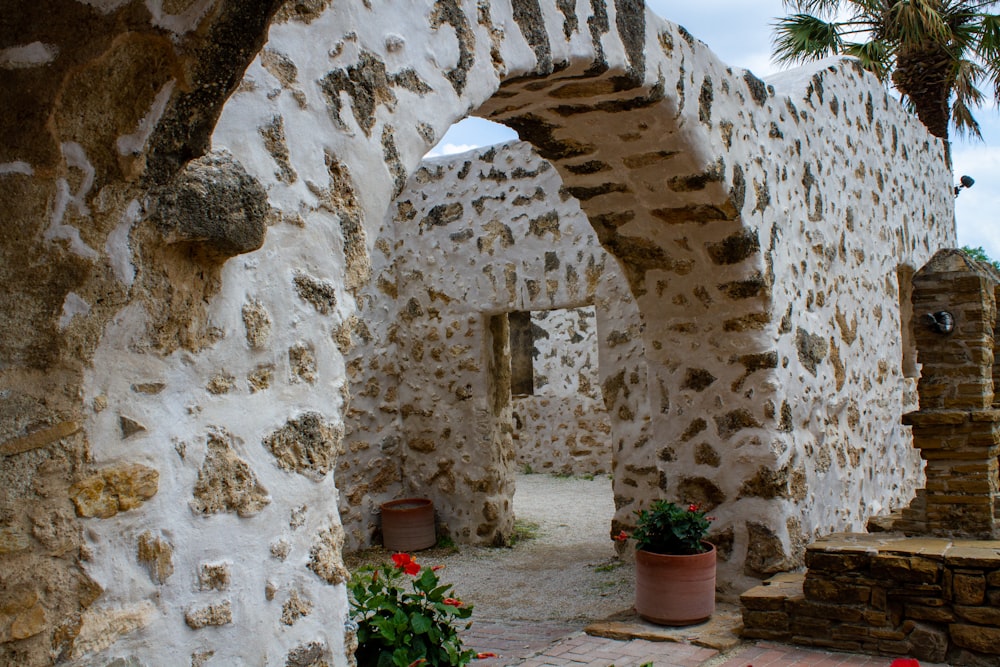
(239,312)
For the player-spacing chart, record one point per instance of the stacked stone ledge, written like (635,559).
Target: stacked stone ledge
(933,599)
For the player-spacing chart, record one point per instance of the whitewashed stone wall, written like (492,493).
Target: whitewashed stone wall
(470,239)
(171,424)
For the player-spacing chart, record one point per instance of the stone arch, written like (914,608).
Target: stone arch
(659,185)
(176,393)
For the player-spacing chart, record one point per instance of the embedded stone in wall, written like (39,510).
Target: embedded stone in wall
(302,360)
(213,576)
(257,323)
(312,654)
(321,295)
(100,627)
(129,427)
(732,422)
(701,491)
(259,379)
(13,539)
(811,349)
(38,439)
(295,607)
(705,454)
(21,613)
(697,379)
(221,383)
(226,483)
(213,614)
(308,445)
(325,555)
(157,555)
(216,204)
(765,554)
(117,489)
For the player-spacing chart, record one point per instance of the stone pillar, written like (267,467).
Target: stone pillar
(957,428)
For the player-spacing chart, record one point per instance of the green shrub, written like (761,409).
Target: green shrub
(405,616)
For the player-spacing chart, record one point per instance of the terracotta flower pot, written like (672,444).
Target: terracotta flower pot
(408,524)
(675,590)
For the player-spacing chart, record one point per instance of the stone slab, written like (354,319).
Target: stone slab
(721,632)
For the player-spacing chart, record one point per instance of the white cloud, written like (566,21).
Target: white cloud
(449,149)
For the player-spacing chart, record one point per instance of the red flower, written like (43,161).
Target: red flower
(483,656)
(692,508)
(406,563)
(452,602)
(621,537)
(904,662)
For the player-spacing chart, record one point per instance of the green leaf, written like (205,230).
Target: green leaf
(420,623)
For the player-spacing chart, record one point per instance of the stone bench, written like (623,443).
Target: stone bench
(933,599)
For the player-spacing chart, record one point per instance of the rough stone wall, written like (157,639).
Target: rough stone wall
(563,427)
(171,414)
(471,238)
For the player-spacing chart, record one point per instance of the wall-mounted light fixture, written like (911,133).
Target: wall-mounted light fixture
(942,322)
(964,182)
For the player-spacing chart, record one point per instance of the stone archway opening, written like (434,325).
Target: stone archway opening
(560,424)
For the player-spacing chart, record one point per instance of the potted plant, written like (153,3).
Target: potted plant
(674,565)
(406,617)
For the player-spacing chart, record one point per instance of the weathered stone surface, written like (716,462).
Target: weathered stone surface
(129,426)
(221,383)
(157,555)
(294,608)
(216,204)
(101,627)
(13,539)
(969,589)
(257,322)
(976,637)
(320,294)
(308,445)
(911,570)
(765,553)
(325,556)
(39,438)
(312,654)
(115,489)
(302,360)
(213,576)
(213,614)
(226,483)
(22,613)
(812,349)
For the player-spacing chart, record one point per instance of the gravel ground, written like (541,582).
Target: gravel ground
(567,572)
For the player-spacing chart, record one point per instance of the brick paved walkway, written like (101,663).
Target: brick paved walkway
(560,645)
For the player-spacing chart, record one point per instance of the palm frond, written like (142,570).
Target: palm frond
(826,8)
(916,21)
(987,41)
(873,55)
(967,95)
(961,118)
(803,37)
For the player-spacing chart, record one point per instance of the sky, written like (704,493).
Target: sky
(739,32)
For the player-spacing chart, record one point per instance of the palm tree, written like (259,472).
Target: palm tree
(935,52)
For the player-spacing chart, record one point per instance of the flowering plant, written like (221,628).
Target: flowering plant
(400,628)
(666,528)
